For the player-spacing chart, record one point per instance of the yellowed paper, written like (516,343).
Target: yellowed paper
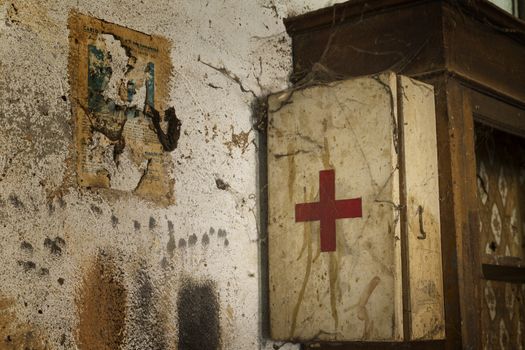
(115,74)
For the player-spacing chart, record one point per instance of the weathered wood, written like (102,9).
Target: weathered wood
(421,197)
(514,274)
(403,40)
(414,38)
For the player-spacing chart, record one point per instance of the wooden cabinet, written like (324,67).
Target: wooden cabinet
(474,56)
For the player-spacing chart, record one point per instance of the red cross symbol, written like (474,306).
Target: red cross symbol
(328,209)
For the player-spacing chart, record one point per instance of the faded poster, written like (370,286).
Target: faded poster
(116,75)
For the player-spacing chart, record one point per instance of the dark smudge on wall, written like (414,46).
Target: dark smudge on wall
(198,315)
(147,322)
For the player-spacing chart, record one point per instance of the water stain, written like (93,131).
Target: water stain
(102,305)
(198,315)
(362,312)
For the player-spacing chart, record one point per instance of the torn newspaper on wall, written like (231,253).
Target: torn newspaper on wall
(117,75)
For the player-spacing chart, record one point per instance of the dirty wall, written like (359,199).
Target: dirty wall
(83,267)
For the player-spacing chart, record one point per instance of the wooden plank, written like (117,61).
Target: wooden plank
(423,241)
(353,293)
(461,131)
(514,274)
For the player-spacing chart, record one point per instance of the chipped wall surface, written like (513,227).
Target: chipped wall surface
(83,268)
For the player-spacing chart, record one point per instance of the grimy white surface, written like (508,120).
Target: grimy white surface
(355,292)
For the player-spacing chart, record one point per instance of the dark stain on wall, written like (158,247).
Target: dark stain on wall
(27,265)
(152,223)
(198,315)
(182,243)
(50,208)
(96,209)
(148,330)
(221,184)
(192,239)
(170,246)
(114,221)
(102,305)
(222,233)
(205,239)
(55,246)
(16,202)
(136,225)
(26,246)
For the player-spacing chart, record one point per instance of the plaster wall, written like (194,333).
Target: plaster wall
(84,270)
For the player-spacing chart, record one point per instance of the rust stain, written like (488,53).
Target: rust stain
(362,313)
(16,335)
(240,140)
(308,240)
(102,306)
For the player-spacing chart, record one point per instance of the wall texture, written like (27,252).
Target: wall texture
(81,269)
